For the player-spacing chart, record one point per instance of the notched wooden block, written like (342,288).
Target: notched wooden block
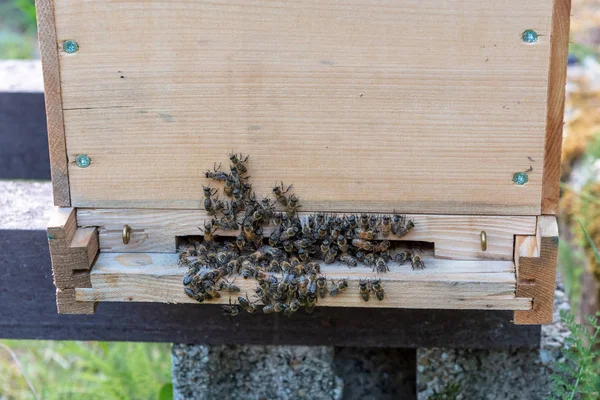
(66,303)
(73,252)
(535,260)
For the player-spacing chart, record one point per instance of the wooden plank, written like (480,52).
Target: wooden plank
(559,53)
(455,237)
(23,142)
(27,296)
(363,105)
(54,104)
(537,274)
(443,284)
(72,250)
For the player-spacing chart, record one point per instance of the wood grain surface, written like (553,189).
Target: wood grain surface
(54,105)
(454,236)
(422,107)
(443,284)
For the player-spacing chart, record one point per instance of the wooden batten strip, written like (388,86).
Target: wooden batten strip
(443,284)
(72,251)
(53,97)
(536,272)
(455,236)
(557,75)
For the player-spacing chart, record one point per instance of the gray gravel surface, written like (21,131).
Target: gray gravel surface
(254,372)
(25,204)
(495,374)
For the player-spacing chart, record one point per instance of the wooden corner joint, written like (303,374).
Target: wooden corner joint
(535,262)
(72,251)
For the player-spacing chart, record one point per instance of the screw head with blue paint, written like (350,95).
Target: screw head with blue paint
(520,178)
(83,161)
(70,46)
(529,36)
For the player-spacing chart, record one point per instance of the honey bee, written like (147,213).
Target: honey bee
(380,266)
(369,259)
(330,256)
(402,257)
(230,185)
(373,222)
(274,266)
(240,242)
(366,234)
(303,254)
(378,289)
(322,286)
(289,233)
(338,287)
(216,174)
(292,206)
(348,260)
(275,237)
(208,232)
(194,295)
(386,226)
(248,231)
(416,261)
(292,307)
(342,243)
(279,192)
(268,209)
(404,229)
(273,308)
(313,268)
(238,162)
(210,290)
(230,310)
(229,287)
(363,286)
(364,222)
(288,246)
(362,244)
(360,256)
(208,203)
(352,221)
(384,245)
(311,301)
(248,270)
(322,231)
(246,304)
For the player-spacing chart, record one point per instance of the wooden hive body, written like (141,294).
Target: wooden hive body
(426,109)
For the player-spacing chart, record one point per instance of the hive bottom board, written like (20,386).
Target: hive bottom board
(152,277)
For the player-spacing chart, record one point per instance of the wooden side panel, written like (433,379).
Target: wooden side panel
(536,272)
(72,251)
(444,284)
(454,236)
(422,107)
(559,53)
(54,105)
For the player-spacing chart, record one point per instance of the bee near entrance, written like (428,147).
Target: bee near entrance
(269,242)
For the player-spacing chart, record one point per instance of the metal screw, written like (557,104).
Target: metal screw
(520,178)
(529,36)
(126,234)
(83,161)
(70,46)
(483,239)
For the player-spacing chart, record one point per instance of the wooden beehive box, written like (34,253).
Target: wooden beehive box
(437,109)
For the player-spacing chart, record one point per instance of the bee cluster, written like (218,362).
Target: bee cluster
(287,273)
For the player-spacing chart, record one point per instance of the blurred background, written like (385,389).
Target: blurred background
(108,370)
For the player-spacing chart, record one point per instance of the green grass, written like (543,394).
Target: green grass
(90,370)
(579,376)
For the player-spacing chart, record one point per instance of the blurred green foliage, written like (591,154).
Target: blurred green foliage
(18,37)
(86,370)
